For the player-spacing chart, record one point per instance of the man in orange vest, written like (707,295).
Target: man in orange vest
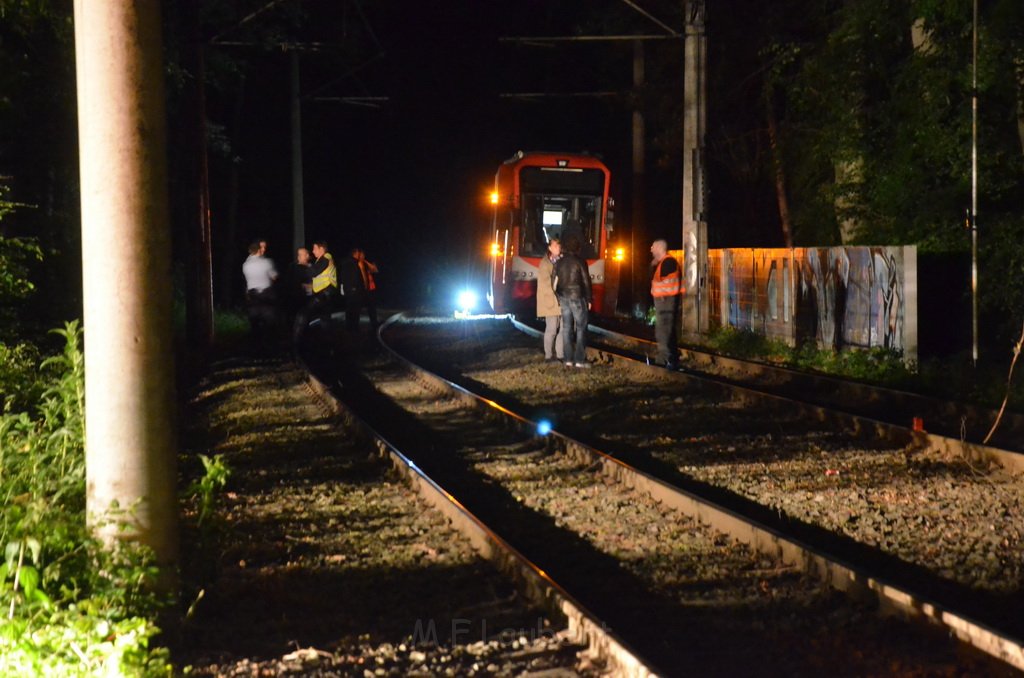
(666,286)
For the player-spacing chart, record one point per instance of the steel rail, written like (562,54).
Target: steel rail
(848,391)
(832,569)
(536,585)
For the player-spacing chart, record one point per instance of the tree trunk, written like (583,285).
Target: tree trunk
(779,170)
(231,282)
(199,277)
(1019,63)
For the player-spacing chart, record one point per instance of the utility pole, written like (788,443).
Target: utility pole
(639,160)
(974,191)
(695,229)
(130,443)
(298,206)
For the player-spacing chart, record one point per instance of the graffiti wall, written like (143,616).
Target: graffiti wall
(834,296)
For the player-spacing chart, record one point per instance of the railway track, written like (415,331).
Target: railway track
(959,427)
(325,563)
(663,568)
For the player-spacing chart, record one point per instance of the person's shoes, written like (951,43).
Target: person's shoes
(584,365)
(568,363)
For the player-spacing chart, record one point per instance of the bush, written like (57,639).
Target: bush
(20,383)
(72,606)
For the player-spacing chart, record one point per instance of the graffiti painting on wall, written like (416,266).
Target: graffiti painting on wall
(842,296)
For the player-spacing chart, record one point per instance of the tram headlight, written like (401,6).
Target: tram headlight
(620,254)
(466,301)
(495,249)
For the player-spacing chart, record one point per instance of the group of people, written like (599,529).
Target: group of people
(316,287)
(564,299)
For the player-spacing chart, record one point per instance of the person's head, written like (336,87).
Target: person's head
(659,248)
(572,244)
(555,247)
(319,248)
(254,248)
(263,247)
(302,256)
(357,253)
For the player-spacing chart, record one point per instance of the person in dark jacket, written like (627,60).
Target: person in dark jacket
(572,287)
(323,280)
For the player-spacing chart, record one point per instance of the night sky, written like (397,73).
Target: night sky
(408,180)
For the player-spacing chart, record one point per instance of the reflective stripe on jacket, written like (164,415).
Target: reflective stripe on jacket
(668,285)
(327,277)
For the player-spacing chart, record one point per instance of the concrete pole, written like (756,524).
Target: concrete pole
(298,206)
(694,302)
(126,255)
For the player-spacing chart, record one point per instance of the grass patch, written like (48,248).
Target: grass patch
(953,378)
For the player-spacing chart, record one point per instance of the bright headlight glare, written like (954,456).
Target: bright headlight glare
(466,300)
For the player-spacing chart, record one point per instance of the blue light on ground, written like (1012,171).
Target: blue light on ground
(543,427)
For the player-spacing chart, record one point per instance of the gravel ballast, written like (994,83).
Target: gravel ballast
(322,564)
(962,522)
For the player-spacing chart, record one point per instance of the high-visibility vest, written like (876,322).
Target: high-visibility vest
(327,277)
(669,285)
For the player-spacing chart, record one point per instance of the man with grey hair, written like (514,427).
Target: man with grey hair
(666,286)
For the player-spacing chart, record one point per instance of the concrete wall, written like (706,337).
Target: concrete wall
(837,297)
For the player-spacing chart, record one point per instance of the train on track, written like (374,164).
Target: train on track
(542,195)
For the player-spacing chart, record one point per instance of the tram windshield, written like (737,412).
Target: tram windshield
(546,217)
(561,204)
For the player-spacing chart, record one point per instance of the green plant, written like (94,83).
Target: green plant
(215,477)
(20,383)
(71,606)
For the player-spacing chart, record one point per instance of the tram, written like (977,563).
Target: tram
(538,196)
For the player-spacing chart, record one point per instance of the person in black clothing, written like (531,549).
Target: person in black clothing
(323,279)
(300,280)
(572,287)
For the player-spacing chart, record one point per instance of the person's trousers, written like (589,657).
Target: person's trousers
(319,305)
(574,329)
(354,302)
(553,347)
(665,335)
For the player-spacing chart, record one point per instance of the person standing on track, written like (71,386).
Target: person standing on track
(324,285)
(572,287)
(260,300)
(666,286)
(547,303)
(360,289)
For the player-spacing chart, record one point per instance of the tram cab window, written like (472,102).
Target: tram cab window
(546,217)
